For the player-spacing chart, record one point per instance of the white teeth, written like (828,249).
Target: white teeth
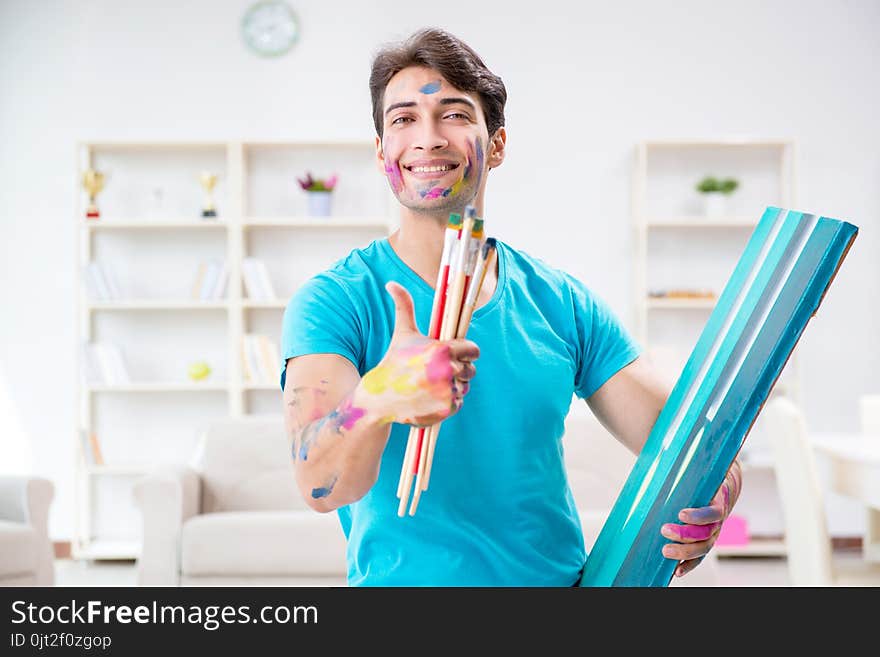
(431,169)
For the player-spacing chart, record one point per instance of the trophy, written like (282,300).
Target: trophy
(93,182)
(208,181)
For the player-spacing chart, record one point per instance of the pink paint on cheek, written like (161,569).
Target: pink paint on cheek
(392,169)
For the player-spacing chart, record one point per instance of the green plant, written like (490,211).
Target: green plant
(710,184)
(317,184)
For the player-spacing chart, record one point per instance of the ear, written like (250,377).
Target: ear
(497,144)
(380,156)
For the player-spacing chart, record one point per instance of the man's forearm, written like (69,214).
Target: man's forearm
(336,457)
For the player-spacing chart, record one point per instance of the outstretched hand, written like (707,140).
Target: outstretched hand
(420,381)
(693,539)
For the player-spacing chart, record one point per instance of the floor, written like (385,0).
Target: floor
(732,572)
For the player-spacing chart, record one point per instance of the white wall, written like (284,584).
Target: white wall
(586,81)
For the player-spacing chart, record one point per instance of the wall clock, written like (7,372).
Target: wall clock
(270,28)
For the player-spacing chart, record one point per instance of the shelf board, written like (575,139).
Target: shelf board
(700,222)
(756,547)
(262,386)
(317,222)
(154,145)
(121,470)
(98,549)
(158,304)
(159,387)
(139,224)
(340,143)
(263,303)
(682,304)
(718,143)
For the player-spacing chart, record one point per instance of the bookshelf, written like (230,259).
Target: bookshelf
(685,253)
(150,241)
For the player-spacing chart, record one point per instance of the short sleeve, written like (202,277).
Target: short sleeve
(604,344)
(320,318)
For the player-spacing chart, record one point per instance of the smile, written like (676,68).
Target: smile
(430,171)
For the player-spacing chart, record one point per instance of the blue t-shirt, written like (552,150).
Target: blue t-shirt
(499,511)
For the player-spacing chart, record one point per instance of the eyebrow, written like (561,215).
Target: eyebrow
(443,101)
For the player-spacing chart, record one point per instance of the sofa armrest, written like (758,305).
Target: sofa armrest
(26,500)
(166,499)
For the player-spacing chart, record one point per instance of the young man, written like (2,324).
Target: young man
(359,370)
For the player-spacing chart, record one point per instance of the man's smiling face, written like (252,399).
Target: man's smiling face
(434,142)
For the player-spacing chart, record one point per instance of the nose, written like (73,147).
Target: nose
(430,138)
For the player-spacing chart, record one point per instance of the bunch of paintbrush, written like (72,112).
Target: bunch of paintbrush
(464,262)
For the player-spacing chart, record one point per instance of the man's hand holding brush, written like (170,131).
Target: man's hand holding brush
(419,381)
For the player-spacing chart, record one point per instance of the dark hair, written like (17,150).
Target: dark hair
(455,61)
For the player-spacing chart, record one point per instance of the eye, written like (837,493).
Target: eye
(401,118)
(459,115)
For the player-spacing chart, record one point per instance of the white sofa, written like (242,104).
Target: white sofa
(235,517)
(26,554)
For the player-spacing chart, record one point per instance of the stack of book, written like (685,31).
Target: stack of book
(210,280)
(261,362)
(256,280)
(103,364)
(100,284)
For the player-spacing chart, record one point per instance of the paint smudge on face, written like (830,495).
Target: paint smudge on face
(431,87)
(392,169)
(478,146)
(475,153)
(318,493)
(435,192)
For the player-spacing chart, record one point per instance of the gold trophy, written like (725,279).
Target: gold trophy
(93,182)
(208,181)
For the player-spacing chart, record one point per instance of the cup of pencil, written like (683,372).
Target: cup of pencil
(465,259)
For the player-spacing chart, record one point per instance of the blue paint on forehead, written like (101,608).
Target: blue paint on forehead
(431,87)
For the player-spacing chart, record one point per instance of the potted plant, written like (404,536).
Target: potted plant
(319,192)
(715,193)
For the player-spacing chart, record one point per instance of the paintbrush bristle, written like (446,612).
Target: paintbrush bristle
(490,244)
(454,221)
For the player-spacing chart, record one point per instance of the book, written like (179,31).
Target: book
(201,270)
(96,284)
(219,289)
(90,369)
(257,282)
(212,272)
(251,364)
(105,364)
(268,362)
(85,448)
(97,456)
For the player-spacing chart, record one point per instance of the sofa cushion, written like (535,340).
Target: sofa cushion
(245,464)
(263,543)
(18,545)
